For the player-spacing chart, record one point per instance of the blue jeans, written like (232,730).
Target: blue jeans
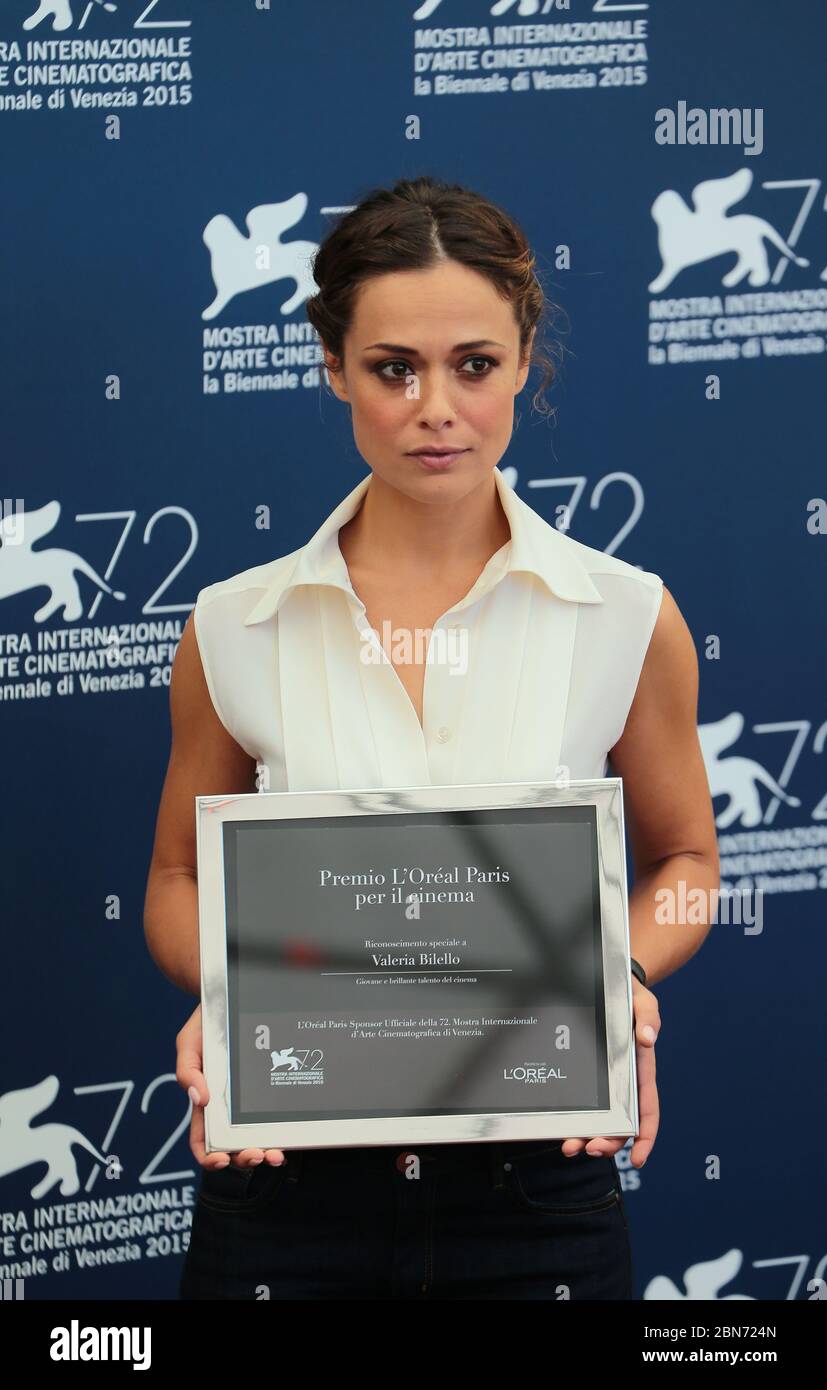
(486,1220)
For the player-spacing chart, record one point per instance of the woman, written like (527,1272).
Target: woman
(428,309)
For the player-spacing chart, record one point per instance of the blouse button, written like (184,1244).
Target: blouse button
(443,734)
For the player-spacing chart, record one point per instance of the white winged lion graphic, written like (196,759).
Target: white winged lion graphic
(22,568)
(687,236)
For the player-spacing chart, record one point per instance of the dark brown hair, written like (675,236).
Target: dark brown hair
(415,225)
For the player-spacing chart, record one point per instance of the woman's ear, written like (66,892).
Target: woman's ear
(525,363)
(335,373)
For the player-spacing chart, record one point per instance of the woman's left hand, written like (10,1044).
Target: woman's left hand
(647,1027)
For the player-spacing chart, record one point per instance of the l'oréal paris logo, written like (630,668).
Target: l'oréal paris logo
(533,1073)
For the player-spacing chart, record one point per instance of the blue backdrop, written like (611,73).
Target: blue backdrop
(158,388)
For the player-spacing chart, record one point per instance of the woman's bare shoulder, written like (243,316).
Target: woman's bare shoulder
(671,656)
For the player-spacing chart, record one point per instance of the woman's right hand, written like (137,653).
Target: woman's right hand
(188,1074)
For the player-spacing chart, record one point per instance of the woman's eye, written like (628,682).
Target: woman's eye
(486,361)
(408,371)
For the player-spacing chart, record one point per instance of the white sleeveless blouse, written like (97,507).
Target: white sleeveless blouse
(553,635)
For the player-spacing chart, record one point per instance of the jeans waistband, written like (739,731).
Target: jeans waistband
(434,1157)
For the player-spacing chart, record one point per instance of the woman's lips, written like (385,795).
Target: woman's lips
(437,463)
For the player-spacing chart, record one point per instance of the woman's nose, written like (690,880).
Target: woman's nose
(436,406)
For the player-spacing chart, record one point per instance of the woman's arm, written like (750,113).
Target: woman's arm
(671,829)
(668,807)
(204,761)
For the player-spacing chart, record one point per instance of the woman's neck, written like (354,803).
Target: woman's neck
(393,533)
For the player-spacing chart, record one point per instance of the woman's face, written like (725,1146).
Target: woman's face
(413,380)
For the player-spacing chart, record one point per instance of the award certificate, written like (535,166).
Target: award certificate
(415,965)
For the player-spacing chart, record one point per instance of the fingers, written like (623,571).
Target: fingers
(250,1158)
(595,1148)
(647,1026)
(188,1074)
(647,1014)
(604,1148)
(197,1142)
(573,1146)
(648,1107)
(245,1158)
(188,1062)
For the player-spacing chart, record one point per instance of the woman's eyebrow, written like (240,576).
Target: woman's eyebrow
(458,347)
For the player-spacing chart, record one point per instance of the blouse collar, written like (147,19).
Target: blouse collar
(535,547)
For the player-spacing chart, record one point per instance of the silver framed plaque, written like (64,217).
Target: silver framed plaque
(415,965)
